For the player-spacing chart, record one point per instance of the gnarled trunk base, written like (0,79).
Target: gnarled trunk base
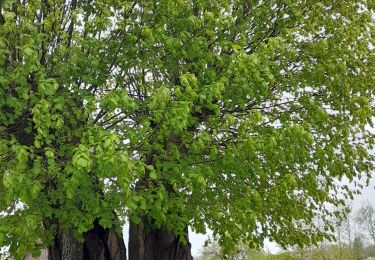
(156,244)
(99,244)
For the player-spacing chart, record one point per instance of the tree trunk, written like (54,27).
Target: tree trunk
(65,247)
(103,244)
(99,244)
(156,244)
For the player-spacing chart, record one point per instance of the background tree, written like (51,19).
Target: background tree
(366,219)
(212,251)
(347,229)
(239,116)
(358,248)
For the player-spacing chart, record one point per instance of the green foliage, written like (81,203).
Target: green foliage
(212,251)
(327,252)
(237,115)
(370,251)
(280,256)
(357,248)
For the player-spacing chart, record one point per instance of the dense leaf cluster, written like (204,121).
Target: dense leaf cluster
(236,115)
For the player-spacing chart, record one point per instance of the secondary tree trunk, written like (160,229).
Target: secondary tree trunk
(99,244)
(156,244)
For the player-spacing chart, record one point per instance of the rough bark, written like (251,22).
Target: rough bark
(65,247)
(103,244)
(99,244)
(156,244)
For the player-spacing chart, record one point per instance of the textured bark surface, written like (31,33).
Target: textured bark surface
(156,244)
(65,247)
(103,244)
(99,244)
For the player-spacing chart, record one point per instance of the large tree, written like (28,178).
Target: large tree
(234,115)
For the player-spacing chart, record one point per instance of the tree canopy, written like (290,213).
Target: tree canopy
(234,115)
